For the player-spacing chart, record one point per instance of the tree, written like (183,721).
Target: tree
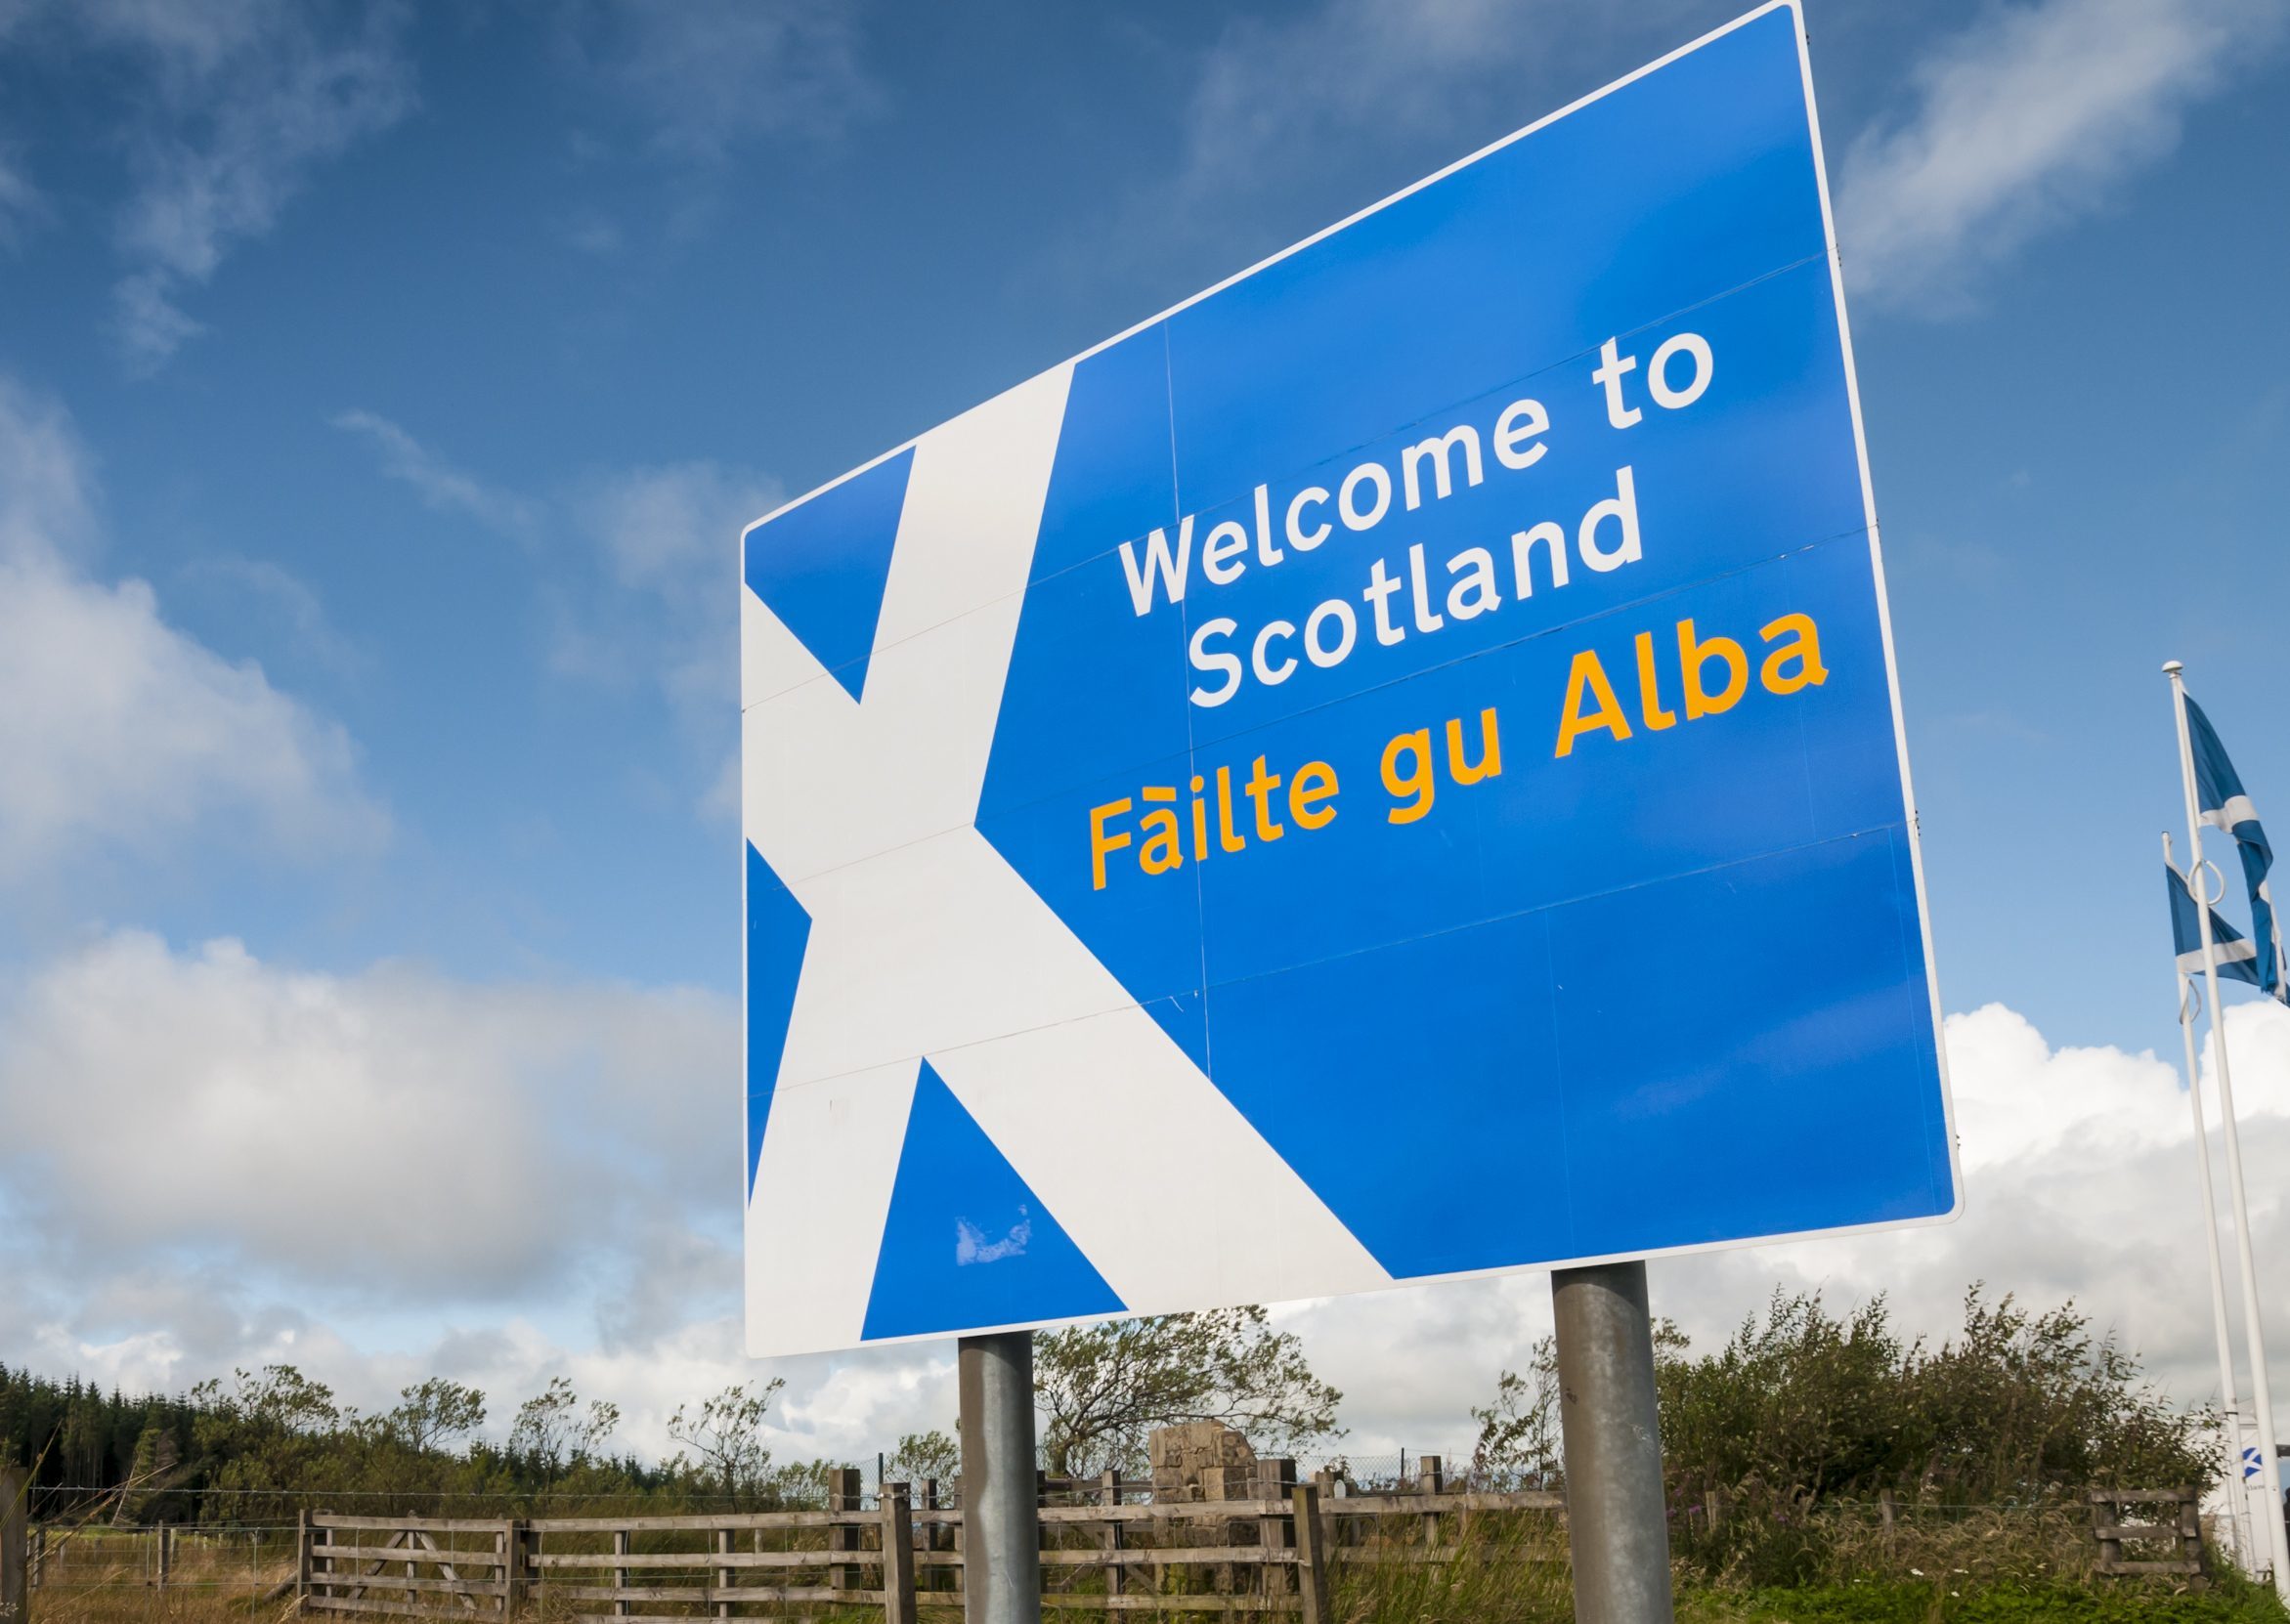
(2018,1404)
(1519,1433)
(922,1456)
(1104,1386)
(267,1439)
(549,1428)
(725,1437)
(435,1415)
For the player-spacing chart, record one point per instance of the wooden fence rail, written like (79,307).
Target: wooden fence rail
(1271,1553)
(2173,1541)
(1267,1554)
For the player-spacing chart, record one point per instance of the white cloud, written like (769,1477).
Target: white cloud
(1274,98)
(674,529)
(2079,1171)
(708,75)
(441,484)
(2078,1161)
(2023,121)
(231,106)
(669,540)
(120,732)
(257,586)
(20,202)
(649,603)
(48,498)
(392,1133)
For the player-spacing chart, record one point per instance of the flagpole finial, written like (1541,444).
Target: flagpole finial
(2171,668)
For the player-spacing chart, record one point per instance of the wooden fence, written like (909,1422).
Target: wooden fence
(2171,1543)
(1102,1550)
(1268,1548)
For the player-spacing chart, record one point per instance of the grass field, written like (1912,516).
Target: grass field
(1480,1595)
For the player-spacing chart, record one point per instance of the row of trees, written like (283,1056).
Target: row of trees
(1800,1407)
(1808,1406)
(1803,1411)
(269,1442)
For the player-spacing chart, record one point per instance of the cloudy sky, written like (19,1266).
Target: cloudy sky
(382,388)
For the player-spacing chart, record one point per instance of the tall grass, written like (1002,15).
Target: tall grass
(1848,1564)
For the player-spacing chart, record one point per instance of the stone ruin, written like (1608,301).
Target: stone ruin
(1198,1461)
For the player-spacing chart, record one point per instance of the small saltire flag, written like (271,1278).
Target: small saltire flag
(2234,955)
(2219,794)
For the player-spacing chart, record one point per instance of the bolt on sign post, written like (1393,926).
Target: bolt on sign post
(1427,697)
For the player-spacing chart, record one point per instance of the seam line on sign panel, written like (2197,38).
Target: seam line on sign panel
(1687,1248)
(1200,901)
(1146,1006)
(1558,1066)
(1437,414)
(829,672)
(1805,761)
(1571,357)
(1557,903)
(1350,219)
(1034,581)
(1799,550)
(1343,699)
(1143,1007)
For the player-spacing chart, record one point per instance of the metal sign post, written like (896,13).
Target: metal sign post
(1001,1534)
(1616,1522)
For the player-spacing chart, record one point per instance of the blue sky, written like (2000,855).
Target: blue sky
(422,363)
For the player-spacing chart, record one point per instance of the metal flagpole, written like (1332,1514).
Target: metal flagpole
(2238,1498)
(2253,1331)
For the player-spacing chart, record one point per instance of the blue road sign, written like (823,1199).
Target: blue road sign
(1389,770)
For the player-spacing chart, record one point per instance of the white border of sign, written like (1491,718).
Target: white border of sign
(1883,610)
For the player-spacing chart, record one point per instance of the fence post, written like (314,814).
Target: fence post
(725,1576)
(899,1556)
(302,1560)
(1109,1491)
(2103,1520)
(619,1575)
(842,1495)
(1312,1570)
(2190,1527)
(1430,1479)
(512,1541)
(957,1539)
(1324,1480)
(166,1533)
(14,1555)
(935,1537)
(1275,1479)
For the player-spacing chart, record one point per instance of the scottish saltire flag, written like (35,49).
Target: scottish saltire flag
(2234,953)
(2224,804)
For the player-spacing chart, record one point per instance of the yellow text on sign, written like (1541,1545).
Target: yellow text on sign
(1210,815)
(1713,676)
